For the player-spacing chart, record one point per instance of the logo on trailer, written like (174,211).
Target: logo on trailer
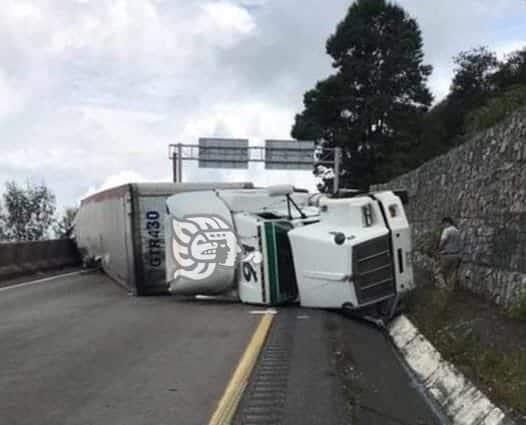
(202,243)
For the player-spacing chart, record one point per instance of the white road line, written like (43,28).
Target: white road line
(46,279)
(267,311)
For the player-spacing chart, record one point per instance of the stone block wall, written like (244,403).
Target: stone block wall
(482,186)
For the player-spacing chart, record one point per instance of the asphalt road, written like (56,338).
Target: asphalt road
(332,371)
(80,351)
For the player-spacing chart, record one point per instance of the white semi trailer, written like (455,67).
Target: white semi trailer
(277,245)
(122,229)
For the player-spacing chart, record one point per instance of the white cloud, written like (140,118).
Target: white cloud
(449,27)
(123,177)
(248,119)
(509,46)
(92,92)
(224,17)
(25,11)
(6,96)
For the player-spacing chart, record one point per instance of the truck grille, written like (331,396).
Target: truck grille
(373,270)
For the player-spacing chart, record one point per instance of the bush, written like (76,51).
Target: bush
(518,310)
(427,243)
(496,109)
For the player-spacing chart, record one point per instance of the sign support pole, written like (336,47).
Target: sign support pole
(337,166)
(174,166)
(179,158)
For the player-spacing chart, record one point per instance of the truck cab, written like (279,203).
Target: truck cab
(289,246)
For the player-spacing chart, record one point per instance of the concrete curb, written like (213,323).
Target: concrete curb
(460,400)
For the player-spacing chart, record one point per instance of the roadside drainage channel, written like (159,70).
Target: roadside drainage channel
(264,399)
(459,399)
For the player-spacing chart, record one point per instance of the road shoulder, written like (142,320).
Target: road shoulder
(457,396)
(319,367)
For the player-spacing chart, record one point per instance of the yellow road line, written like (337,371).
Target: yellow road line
(236,386)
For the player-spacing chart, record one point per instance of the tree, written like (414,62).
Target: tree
(378,95)
(474,82)
(473,76)
(513,71)
(483,92)
(2,225)
(64,226)
(29,211)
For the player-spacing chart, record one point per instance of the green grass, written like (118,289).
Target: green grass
(518,310)
(496,109)
(501,373)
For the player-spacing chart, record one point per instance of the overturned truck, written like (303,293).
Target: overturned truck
(277,245)
(263,246)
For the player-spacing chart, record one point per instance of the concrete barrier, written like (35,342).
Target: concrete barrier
(21,258)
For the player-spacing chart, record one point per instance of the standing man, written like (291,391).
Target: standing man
(450,250)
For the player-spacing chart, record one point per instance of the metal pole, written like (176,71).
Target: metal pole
(174,165)
(179,163)
(337,163)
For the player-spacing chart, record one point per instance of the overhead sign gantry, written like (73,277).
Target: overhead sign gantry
(237,154)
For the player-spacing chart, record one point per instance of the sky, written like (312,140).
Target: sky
(93,91)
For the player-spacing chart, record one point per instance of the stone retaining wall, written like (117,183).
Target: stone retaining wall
(482,186)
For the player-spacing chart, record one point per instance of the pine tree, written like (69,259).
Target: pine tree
(378,95)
